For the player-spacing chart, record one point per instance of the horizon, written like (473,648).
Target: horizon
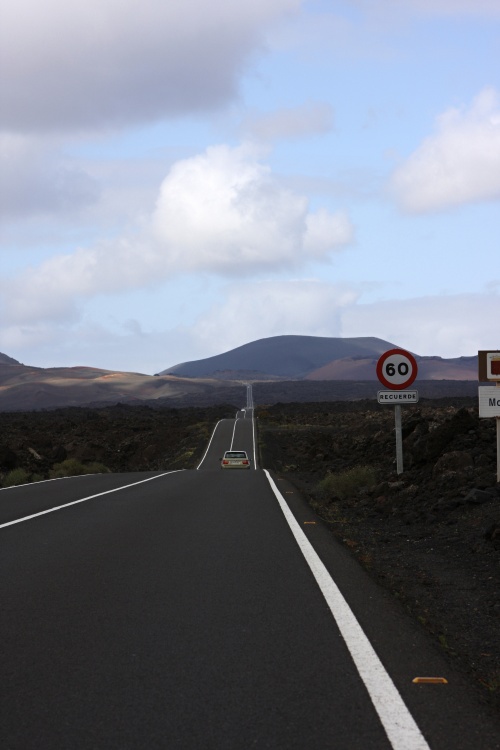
(289,167)
(221,353)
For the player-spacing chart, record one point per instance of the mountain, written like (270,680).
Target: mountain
(25,388)
(280,357)
(315,358)
(306,368)
(429,368)
(5,360)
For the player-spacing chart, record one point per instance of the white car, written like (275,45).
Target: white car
(235,460)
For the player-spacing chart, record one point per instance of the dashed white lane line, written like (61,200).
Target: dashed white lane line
(254,442)
(209,444)
(234,432)
(83,499)
(399,725)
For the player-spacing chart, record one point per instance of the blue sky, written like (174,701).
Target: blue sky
(181,178)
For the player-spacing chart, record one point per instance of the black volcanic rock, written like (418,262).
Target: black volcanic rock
(431,535)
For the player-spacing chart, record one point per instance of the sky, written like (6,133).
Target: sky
(180,178)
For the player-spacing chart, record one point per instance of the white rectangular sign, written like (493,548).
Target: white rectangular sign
(398,397)
(489,401)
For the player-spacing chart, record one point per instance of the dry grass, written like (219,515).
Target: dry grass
(348,483)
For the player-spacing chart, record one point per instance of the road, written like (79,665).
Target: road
(207,609)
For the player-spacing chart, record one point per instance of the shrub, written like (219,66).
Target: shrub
(71,467)
(96,468)
(347,483)
(15,477)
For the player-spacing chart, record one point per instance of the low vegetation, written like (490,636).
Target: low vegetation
(17,477)
(347,484)
(68,468)
(73,468)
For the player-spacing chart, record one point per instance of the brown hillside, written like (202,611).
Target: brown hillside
(429,368)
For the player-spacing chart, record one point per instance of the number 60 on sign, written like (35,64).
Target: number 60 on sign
(397,369)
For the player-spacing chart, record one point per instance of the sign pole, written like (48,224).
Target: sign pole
(498,444)
(397,369)
(498,449)
(489,402)
(399,439)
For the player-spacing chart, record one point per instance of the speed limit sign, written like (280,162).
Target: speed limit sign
(397,369)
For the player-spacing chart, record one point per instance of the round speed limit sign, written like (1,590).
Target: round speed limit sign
(397,369)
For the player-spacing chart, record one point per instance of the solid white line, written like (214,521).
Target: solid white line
(250,389)
(209,444)
(234,430)
(42,481)
(254,445)
(83,499)
(400,727)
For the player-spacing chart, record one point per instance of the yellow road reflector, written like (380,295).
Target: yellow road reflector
(430,680)
(313,522)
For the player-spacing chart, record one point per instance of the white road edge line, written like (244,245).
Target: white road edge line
(251,407)
(254,444)
(234,431)
(83,499)
(42,481)
(209,444)
(399,725)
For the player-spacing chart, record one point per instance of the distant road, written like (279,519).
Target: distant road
(232,434)
(205,609)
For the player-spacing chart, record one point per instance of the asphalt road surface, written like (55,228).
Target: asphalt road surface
(207,609)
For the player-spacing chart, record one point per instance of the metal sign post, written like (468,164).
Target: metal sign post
(498,449)
(399,439)
(397,369)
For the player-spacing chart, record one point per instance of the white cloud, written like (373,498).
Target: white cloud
(325,231)
(441,325)
(445,325)
(90,343)
(459,164)
(37,179)
(101,63)
(222,212)
(272,308)
(292,122)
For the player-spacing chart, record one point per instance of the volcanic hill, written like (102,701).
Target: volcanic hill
(284,368)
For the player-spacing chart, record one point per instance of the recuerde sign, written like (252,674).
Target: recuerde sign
(397,397)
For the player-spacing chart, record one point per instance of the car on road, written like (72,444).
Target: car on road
(235,460)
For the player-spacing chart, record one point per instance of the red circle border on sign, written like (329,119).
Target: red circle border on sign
(387,383)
